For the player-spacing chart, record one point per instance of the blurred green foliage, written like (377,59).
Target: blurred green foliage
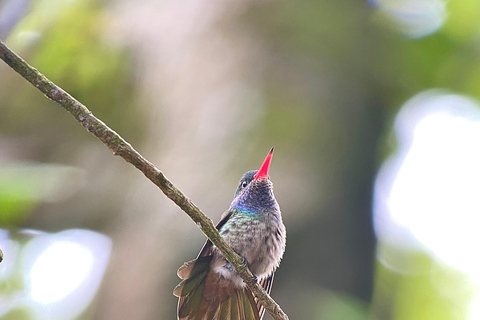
(420,287)
(24,185)
(67,41)
(16,198)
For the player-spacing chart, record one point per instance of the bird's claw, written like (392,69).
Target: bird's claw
(244,262)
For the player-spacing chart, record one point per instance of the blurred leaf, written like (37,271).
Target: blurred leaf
(463,22)
(70,46)
(23,186)
(18,196)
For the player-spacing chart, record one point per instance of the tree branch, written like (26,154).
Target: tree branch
(122,148)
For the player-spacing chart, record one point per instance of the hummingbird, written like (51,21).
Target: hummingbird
(252,226)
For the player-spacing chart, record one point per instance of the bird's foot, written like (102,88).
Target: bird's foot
(244,262)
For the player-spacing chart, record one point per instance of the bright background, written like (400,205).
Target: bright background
(373,109)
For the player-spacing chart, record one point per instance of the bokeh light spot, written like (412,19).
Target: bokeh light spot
(427,194)
(412,18)
(430,187)
(59,270)
(63,272)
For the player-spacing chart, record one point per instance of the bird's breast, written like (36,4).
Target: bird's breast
(260,239)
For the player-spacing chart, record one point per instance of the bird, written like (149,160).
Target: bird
(252,226)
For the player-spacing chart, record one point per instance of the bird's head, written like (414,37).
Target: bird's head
(255,190)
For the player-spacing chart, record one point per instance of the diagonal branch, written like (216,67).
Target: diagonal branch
(122,148)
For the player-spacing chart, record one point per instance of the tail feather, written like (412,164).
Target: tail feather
(194,283)
(224,310)
(206,295)
(235,311)
(190,290)
(192,268)
(249,306)
(211,312)
(193,300)
(267,285)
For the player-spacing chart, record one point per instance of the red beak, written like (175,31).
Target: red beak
(263,172)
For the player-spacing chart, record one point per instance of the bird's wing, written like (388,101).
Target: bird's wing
(221,301)
(207,247)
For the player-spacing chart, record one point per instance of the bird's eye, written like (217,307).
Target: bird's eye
(244,184)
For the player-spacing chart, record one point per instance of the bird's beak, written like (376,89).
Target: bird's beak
(263,172)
